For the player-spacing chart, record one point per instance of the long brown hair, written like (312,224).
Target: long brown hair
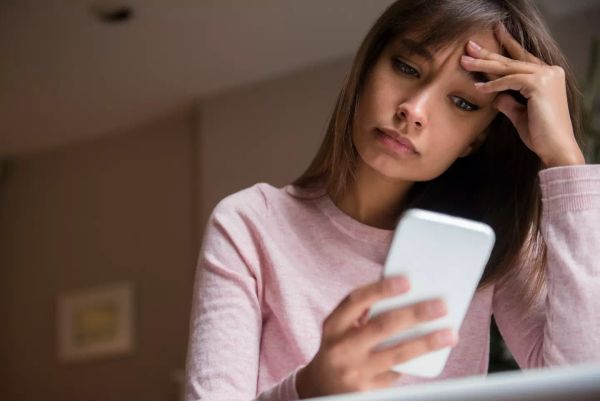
(498,183)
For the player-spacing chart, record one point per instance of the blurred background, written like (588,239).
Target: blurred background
(122,124)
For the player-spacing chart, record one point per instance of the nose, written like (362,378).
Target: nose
(412,111)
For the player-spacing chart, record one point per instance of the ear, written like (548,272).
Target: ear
(475,144)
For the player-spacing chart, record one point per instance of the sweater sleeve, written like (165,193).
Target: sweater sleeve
(563,326)
(226,322)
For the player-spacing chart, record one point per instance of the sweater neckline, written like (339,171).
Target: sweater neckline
(343,222)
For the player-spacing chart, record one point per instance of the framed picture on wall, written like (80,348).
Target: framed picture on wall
(95,323)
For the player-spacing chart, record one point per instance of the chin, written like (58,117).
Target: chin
(391,169)
(390,165)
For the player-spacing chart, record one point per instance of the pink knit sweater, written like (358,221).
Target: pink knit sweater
(276,261)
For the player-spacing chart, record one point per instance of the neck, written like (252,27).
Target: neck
(373,199)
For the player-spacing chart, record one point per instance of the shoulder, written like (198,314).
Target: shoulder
(262,197)
(250,201)
(263,200)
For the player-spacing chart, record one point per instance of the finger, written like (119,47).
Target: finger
(517,82)
(385,379)
(356,304)
(513,110)
(363,318)
(385,325)
(481,53)
(508,105)
(384,360)
(497,67)
(513,47)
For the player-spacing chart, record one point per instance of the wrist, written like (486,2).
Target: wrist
(570,159)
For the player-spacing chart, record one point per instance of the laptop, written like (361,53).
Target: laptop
(571,383)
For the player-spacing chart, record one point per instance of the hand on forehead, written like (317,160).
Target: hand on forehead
(487,40)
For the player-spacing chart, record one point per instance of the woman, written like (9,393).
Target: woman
(484,130)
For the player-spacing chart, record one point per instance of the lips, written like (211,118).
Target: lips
(398,138)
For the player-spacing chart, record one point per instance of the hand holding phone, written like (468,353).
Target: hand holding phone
(442,257)
(346,361)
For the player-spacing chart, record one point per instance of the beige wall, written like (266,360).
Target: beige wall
(268,132)
(123,208)
(96,213)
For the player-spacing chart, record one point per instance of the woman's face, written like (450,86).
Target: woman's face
(431,102)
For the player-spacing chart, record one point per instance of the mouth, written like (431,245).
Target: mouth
(397,137)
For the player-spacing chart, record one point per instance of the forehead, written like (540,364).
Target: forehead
(484,37)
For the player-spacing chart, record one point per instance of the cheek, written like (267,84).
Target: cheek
(441,155)
(446,137)
(458,130)
(380,93)
(374,103)
(446,140)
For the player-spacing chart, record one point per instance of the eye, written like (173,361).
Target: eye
(464,105)
(404,68)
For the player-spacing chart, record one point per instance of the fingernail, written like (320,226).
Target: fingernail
(445,337)
(401,284)
(474,45)
(436,308)
(467,58)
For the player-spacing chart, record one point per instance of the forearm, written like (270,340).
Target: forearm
(571,229)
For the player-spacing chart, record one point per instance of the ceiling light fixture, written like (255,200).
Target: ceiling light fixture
(112,12)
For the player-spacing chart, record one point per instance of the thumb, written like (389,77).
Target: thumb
(515,111)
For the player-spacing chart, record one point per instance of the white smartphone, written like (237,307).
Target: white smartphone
(443,257)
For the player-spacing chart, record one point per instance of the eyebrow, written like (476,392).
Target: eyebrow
(414,48)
